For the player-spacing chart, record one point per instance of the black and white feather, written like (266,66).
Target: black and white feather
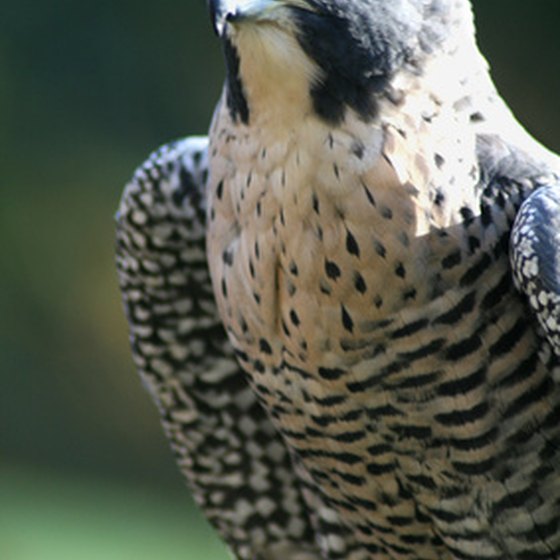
(234,461)
(535,257)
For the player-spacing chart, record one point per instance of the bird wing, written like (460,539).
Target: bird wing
(535,257)
(234,461)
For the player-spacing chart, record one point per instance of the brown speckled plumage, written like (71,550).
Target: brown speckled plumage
(388,303)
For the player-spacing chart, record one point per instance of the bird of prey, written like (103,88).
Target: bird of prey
(345,301)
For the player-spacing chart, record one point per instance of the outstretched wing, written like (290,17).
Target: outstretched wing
(535,257)
(232,457)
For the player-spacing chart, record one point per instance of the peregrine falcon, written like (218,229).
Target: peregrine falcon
(346,300)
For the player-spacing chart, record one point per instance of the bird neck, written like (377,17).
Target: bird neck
(273,82)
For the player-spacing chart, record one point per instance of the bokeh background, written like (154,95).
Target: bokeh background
(87,90)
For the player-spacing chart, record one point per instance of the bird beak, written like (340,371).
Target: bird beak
(223,12)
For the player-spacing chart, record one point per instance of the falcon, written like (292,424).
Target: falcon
(345,301)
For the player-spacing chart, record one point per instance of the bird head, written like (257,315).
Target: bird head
(345,51)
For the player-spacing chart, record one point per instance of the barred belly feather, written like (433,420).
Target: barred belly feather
(345,301)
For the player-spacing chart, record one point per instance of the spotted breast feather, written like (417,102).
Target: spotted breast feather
(356,349)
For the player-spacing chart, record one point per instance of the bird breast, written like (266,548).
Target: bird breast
(314,234)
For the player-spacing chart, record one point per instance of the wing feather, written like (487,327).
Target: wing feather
(233,459)
(535,257)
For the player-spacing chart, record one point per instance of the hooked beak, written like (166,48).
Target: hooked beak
(223,12)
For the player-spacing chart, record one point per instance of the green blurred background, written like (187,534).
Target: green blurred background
(87,90)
